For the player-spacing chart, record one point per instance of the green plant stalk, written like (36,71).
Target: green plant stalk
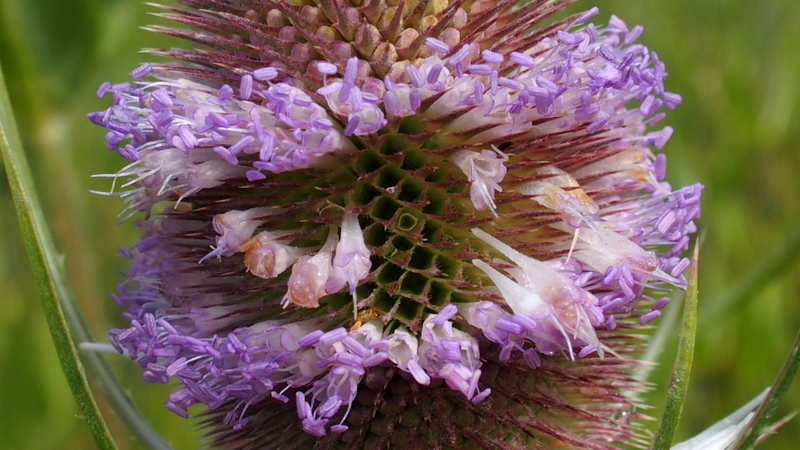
(679,384)
(761,423)
(38,244)
(62,316)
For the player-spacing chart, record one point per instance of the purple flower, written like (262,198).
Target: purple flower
(482,188)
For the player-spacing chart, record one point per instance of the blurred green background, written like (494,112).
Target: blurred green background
(735,62)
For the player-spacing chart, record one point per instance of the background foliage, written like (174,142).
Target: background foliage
(734,61)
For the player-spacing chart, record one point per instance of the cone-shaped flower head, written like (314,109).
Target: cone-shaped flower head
(406,224)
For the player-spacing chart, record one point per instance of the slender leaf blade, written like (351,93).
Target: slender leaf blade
(723,433)
(761,423)
(679,384)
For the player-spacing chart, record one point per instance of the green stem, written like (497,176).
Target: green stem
(63,318)
(679,384)
(38,244)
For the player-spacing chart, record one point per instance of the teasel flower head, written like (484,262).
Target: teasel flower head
(398,223)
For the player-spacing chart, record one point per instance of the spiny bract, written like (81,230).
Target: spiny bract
(397,223)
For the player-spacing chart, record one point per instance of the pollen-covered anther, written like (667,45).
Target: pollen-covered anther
(265,256)
(484,170)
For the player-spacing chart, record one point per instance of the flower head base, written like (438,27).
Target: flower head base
(485,196)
